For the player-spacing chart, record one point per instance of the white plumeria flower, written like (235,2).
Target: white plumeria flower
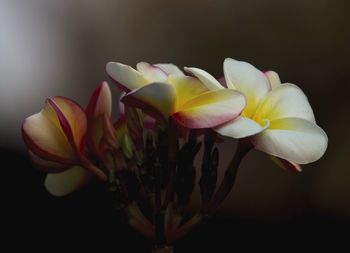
(278,118)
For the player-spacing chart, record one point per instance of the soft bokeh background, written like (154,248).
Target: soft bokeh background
(57,47)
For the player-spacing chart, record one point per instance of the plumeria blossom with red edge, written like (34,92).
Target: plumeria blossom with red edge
(278,118)
(162,91)
(56,139)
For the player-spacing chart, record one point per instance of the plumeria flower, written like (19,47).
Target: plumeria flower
(278,118)
(162,91)
(128,79)
(56,141)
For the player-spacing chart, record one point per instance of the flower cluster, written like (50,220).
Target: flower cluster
(147,155)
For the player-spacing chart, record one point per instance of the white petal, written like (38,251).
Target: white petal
(248,80)
(293,139)
(285,101)
(64,183)
(241,127)
(125,76)
(205,77)
(169,69)
(151,72)
(274,78)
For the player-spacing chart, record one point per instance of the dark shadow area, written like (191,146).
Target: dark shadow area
(85,221)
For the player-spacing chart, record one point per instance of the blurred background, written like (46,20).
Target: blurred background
(52,47)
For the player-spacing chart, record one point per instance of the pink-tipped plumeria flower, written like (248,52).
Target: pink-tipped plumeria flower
(56,140)
(278,118)
(162,90)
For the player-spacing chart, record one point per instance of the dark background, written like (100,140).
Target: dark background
(52,48)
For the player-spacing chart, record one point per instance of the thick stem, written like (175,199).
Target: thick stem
(243,147)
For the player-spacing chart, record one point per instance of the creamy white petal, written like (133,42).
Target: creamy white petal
(64,183)
(151,72)
(285,101)
(247,79)
(125,76)
(169,69)
(207,79)
(274,78)
(241,127)
(293,139)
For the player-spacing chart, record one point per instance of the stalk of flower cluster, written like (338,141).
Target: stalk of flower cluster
(243,147)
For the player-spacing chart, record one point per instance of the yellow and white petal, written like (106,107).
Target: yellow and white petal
(156,99)
(169,69)
(151,72)
(285,101)
(211,109)
(206,78)
(46,165)
(47,139)
(100,102)
(186,88)
(69,181)
(247,79)
(72,119)
(241,127)
(125,76)
(273,78)
(296,140)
